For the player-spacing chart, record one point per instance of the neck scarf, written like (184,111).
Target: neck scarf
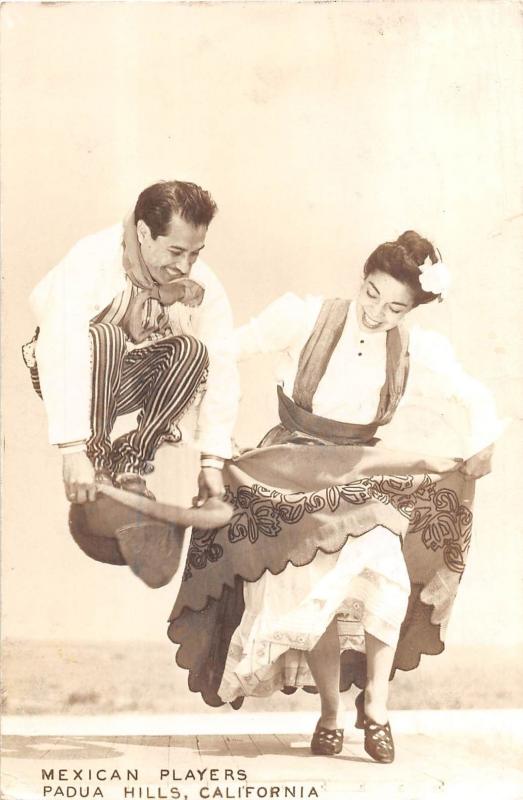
(146,313)
(135,267)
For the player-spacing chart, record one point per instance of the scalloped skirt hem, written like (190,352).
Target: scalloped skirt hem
(300,505)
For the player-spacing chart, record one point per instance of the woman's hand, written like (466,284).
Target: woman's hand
(479,464)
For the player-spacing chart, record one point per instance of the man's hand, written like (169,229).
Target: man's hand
(78,473)
(193,293)
(478,465)
(182,290)
(210,484)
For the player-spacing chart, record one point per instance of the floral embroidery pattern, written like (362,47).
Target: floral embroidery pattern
(444,524)
(261,511)
(202,550)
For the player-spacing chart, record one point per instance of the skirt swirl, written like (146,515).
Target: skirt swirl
(374,538)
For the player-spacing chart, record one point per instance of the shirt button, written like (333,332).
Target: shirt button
(360,354)
(362,341)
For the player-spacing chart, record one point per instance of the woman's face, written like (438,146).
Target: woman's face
(382,302)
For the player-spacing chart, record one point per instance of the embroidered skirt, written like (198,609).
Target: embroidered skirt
(321,531)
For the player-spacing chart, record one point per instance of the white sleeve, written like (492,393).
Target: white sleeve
(62,303)
(277,327)
(435,371)
(219,406)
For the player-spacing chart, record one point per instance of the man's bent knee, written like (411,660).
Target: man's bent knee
(107,337)
(189,349)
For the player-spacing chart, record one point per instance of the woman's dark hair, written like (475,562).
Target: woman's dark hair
(401,259)
(157,204)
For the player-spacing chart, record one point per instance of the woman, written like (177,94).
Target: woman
(339,545)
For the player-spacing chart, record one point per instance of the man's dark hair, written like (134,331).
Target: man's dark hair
(157,204)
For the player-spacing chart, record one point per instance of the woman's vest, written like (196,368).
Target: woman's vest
(296,413)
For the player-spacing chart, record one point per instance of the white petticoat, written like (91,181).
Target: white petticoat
(365,586)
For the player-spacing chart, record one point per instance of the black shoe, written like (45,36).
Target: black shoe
(378,742)
(326,742)
(360,711)
(103,477)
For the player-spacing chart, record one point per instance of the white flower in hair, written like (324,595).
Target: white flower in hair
(434,278)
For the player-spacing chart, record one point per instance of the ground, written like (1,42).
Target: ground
(440,754)
(76,706)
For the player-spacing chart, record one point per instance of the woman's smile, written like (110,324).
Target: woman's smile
(382,302)
(368,321)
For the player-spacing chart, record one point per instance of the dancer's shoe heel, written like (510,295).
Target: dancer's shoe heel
(360,711)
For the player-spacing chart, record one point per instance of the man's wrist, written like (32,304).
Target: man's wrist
(208,461)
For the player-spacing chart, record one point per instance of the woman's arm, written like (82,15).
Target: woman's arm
(436,371)
(278,327)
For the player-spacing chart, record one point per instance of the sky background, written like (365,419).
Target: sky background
(321,130)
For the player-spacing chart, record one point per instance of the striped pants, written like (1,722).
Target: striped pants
(159,381)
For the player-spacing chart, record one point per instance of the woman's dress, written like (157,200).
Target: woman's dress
(329,523)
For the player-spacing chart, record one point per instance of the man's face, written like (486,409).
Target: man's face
(171,256)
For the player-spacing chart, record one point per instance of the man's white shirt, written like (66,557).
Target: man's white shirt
(82,285)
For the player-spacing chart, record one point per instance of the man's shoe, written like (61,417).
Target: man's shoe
(103,477)
(130,482)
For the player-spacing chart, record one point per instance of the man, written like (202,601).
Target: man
(132,319)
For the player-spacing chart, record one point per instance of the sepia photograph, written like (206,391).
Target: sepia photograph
(262,385)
